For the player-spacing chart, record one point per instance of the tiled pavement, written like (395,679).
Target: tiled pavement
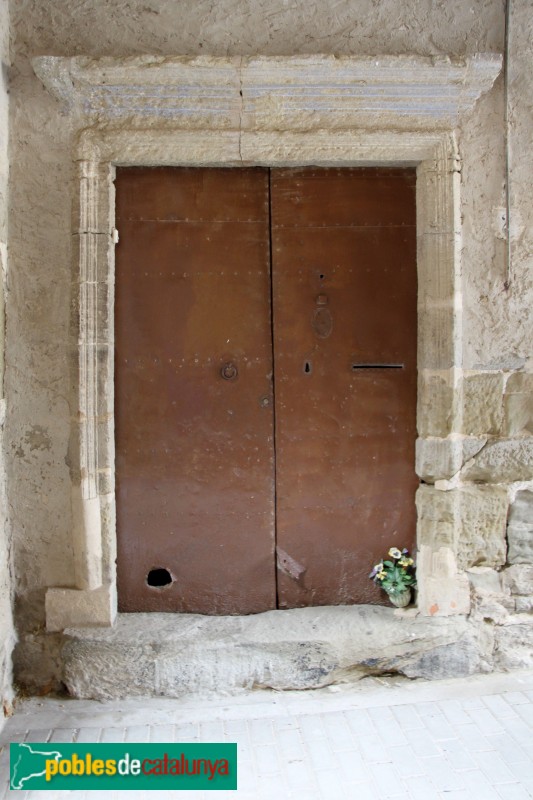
(463,739)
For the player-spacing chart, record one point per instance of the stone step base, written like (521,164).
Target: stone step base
(305,648)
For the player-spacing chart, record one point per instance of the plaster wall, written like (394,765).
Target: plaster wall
(489,440)
(6,618)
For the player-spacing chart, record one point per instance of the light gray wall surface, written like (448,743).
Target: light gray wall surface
(6,619)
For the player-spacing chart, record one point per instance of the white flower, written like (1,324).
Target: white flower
(395,553)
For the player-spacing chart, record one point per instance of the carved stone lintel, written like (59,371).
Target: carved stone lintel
(271,92)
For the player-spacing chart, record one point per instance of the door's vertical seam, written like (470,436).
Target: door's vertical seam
(274,431)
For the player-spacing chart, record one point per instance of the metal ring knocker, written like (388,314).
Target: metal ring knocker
(229,371)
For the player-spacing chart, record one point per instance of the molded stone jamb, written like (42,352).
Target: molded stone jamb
(275,112)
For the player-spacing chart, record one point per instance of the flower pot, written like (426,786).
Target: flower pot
(401,599)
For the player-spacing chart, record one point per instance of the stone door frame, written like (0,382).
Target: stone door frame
(275,112)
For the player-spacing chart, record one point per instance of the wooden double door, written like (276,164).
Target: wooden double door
(265,384)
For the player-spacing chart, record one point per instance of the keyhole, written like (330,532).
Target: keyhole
(307,368)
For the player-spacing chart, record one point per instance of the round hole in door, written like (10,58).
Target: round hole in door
(159,578)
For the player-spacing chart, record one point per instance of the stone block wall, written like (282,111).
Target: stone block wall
(476,509)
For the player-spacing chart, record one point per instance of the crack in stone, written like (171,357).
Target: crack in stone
(241,107)
(470,461)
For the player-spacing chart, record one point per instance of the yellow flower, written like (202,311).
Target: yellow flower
(381,575)
(406,562)
(395,553)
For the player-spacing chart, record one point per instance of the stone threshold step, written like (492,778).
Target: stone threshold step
(173,655)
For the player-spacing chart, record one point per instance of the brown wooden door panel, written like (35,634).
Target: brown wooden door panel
(210,195)
(342,197)
(367,271)
(194,450)
(344,295)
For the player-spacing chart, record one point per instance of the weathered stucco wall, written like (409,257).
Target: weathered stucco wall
(490,439)
(258,27)
(6,618)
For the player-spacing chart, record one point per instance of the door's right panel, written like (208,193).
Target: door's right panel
(344,298)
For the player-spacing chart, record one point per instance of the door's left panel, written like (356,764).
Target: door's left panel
(193,388)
